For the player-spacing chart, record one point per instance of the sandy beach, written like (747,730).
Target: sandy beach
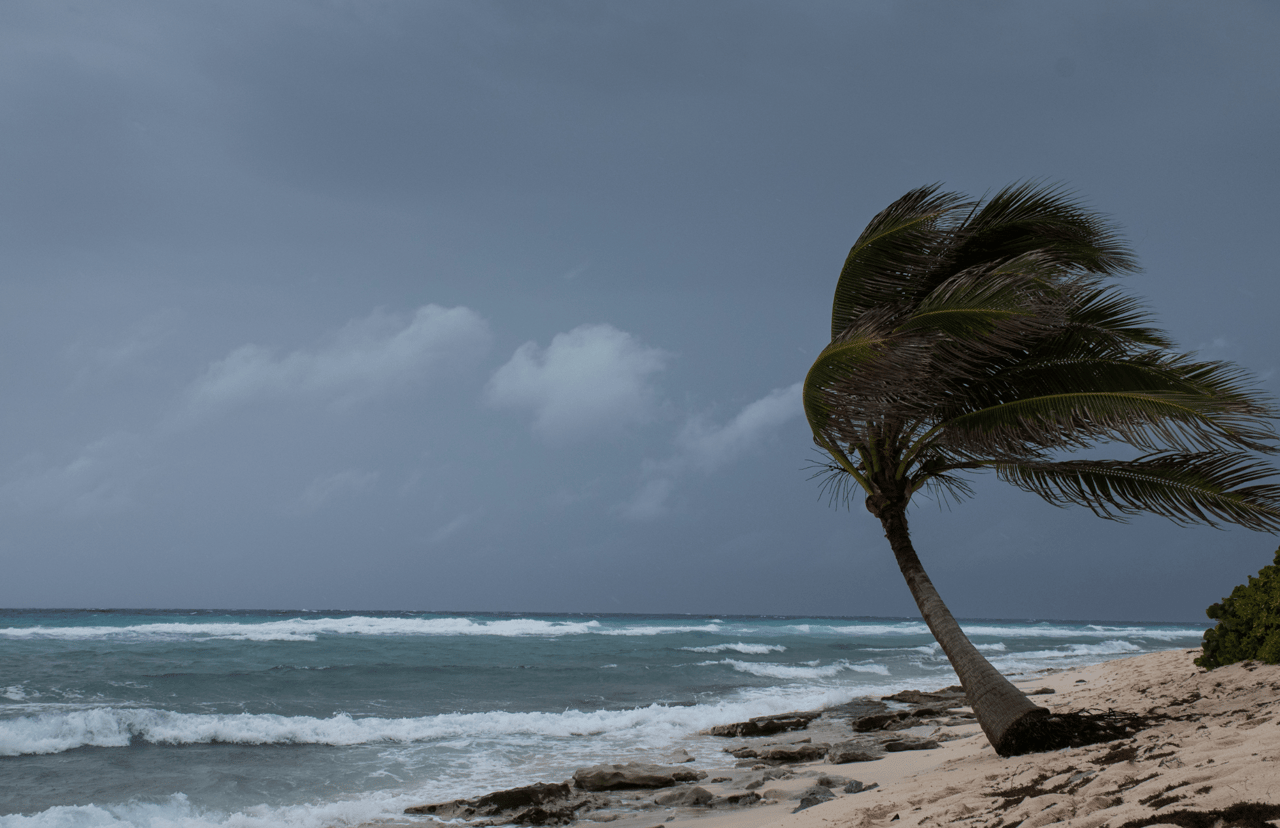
(1214,761)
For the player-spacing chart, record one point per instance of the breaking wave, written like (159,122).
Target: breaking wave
(745,649)
(56,732)
(808,670)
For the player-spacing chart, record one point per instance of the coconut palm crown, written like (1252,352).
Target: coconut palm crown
(971,335)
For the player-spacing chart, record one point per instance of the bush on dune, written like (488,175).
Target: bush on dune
(1248,625)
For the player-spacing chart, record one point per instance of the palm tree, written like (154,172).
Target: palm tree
(982,335)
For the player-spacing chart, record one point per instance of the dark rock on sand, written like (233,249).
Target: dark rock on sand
(952,696)
(814,796)
(855,708)
(737,800)
(910,744)
(878,721)
(514,798)
(794,753)
(541,804)
(537,815)
(633,775)
(766,725)
(757,779)
(852,752)
(686,797)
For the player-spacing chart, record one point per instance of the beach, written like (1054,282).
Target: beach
(1213,760)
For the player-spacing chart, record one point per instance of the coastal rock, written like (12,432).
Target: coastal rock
(794,753)
(755,780)
(540,804)
(825,781)
(852,752)
(741,800)
(633,775)
(855,708)
(537,815)
(742,752)
(910,744)
(765,725)
(513,798)
(679,756)
(878,721)
(857,787)
(814,796)
(687,797)
(952,696)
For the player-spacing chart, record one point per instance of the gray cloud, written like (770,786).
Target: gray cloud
(99,480)
(705,447)
(367,356)
(594,379)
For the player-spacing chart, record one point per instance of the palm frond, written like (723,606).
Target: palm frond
(1186,488)
(1104,317)
(1045,218)
(1224,392)
(1149,420)
(898,245)
(835,484)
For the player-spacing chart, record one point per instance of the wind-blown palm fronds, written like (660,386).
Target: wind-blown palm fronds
(983,335)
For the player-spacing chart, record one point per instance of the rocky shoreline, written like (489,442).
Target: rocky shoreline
(1206,757)
(771,754)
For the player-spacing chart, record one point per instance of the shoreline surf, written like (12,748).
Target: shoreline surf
(282,722)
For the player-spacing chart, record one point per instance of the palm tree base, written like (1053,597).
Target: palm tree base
(1040,731)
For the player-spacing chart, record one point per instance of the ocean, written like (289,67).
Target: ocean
(194,719)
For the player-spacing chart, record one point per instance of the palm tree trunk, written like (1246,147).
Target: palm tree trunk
(1002,710)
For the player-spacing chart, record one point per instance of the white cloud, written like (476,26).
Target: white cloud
(704,447)
(592,379)
(97,481)
(367,356)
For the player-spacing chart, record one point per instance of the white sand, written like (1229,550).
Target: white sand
(1227,752)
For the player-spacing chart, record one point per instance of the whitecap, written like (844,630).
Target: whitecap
(808,670)
(740,647)
(178,812)
(659,630)
(306,629)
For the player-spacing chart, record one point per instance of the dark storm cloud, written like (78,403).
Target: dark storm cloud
(503,305)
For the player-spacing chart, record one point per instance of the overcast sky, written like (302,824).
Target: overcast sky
(505,305)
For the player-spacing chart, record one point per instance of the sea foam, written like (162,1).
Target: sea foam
(178,812)
(808,670)
(745,649)
(56,732)
(306,629)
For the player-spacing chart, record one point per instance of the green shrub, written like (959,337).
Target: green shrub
(1248,622)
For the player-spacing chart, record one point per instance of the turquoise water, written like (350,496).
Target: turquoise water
(216,718)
